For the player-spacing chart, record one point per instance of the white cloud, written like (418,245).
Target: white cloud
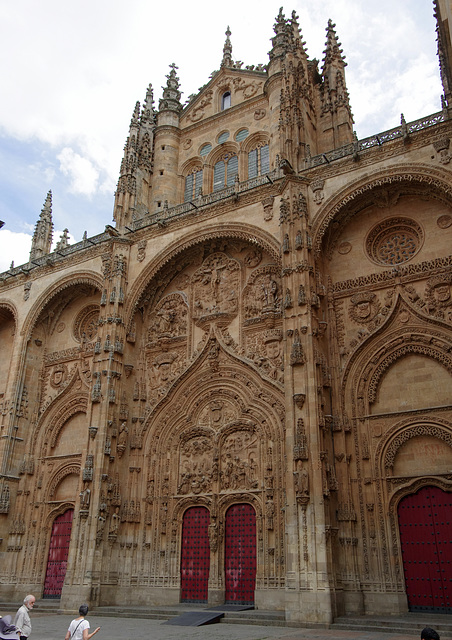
(13,246)
(83,175)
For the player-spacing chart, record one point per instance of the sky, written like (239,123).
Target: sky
(73,71)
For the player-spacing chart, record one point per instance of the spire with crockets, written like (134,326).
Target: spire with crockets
(41,243)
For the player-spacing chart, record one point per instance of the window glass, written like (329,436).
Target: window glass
(242,134)
(226,100)
(218,176)
(223,137)
(207,148)
(232,170)
(188,188)
(258,161)
(252,164)
(193,185)
(265,159)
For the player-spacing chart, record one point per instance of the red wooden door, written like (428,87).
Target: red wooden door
(58,553)
(195,555)
(240,554)
(425,521)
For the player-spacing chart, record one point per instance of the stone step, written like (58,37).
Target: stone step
(409,624)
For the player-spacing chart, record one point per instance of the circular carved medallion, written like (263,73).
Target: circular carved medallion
(344,247)
(394,241)
(444,222)
(85,325)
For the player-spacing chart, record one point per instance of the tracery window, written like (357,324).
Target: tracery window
(193,185)
(225,171)
(258,161)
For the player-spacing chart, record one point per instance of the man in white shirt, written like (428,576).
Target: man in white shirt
(22,619)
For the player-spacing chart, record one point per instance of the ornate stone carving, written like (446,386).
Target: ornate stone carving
(364,306)
(394,241)
(215,289)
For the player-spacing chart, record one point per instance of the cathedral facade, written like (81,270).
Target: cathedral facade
(241,392)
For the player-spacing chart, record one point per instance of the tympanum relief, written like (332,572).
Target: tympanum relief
(237,290)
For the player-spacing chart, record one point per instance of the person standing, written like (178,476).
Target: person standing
(22,619)
(78,629)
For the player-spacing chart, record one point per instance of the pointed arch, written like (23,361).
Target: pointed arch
(366,368)
(418,179)
(245,232)
(89,278)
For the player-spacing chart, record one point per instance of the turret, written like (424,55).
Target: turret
(41,243)
(132,193)
(336,115)
(443,15)
(167,138)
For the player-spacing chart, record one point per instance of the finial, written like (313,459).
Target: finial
(227,50)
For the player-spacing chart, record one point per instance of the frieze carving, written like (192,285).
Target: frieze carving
(402,271)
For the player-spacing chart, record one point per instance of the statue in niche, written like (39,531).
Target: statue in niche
(121,445)
(114,524)
(85,497)
(213,534)
(270,513)
(215,287)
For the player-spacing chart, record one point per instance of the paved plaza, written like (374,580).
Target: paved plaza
(52,626)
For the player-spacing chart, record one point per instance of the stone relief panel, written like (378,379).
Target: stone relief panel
(162,369)
(240,457)
(196,466)
(168,320)
(215,289)
(262,295)
(265,348)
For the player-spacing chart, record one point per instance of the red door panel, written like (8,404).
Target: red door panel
(240,554)
(425,522)
(58,554)
(195,555)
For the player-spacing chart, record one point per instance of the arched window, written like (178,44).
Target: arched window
(226,100)
(258,161)
(193,185)
(224,172)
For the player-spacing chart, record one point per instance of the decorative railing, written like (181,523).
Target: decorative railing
(187,208)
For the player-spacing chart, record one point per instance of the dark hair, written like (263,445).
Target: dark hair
(429,634)
(83,610)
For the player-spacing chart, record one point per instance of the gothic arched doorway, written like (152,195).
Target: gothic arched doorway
(425,523)
(240,554)
(58,554)
(195,555)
